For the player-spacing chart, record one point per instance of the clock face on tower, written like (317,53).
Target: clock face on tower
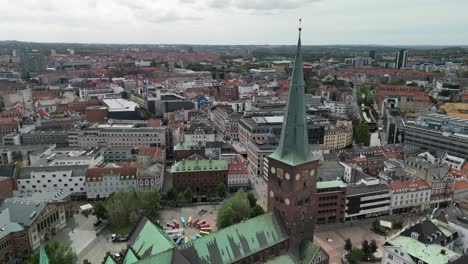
(279,173)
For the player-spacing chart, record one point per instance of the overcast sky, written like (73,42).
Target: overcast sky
(236,21)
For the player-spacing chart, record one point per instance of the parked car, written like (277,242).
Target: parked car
(119,237)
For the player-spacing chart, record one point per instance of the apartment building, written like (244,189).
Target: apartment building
(410,196)
(338,135)
(102,182)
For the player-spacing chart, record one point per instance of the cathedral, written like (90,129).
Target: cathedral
(283,235)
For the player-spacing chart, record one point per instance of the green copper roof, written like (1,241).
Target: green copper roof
(164,257)
(151,240)
(293,147)
(184,145)
(331,184)
(235,242)
(308,251)
(283,259)
(427,253)
(199,165)
(130,257)
(109,260)
(43,259)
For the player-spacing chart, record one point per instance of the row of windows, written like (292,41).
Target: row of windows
(5,245)
(327,211)
(327,204)
(59,180)
(333,197)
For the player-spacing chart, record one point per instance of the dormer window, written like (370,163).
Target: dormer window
(414,235)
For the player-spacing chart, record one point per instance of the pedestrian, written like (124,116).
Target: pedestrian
(107,239)
(72,230)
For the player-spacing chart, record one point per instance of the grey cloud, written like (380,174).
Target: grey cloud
(259,5)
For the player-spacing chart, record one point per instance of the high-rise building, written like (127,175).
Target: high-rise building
(372,54)
(401,59)
(32,62)
(292,166)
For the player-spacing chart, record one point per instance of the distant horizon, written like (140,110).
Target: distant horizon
(199,44)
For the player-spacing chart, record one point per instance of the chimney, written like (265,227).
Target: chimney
(442,251)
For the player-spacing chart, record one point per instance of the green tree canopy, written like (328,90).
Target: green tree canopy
(233,210)
(188,195)
(256,211)
(252,199)
(100,210)
(221,190)
(57,253)
(127,206)
(171,194)
(362,134)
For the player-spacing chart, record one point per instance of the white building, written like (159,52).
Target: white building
(67,156)
(120,135)
(200,132)
(102,182)
(64,178)
(368,198)
(335,107)
(452,161)
(410,196)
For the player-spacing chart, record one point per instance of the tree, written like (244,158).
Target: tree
(100,211)
(252,199)
(171,194)
(127,206)
(180,197)
(355,256)
(256,211)
(57,253)
(365,247)
(373,246)
(188,195)
(348,245)
(165,121)
(147,115)
(362,134)
(234,210)
(221,190)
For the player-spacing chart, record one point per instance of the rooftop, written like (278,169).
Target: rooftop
(330,184)
(120,104)
(428,253)
(409,186)
(199,165)
(234,242)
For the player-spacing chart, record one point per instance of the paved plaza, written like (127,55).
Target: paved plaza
(204,212)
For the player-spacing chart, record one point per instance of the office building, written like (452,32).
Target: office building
(367,198)
(201,176)
(61,178)
(401,60)
(331,202)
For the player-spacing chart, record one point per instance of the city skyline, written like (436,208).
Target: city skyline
(237,22)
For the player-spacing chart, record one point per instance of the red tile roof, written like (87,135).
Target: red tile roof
(100,172)
(407,185)
(460,184)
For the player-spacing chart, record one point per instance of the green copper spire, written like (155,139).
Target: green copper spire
(293,147)
(43,259)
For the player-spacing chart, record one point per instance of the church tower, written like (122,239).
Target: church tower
(292,166)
